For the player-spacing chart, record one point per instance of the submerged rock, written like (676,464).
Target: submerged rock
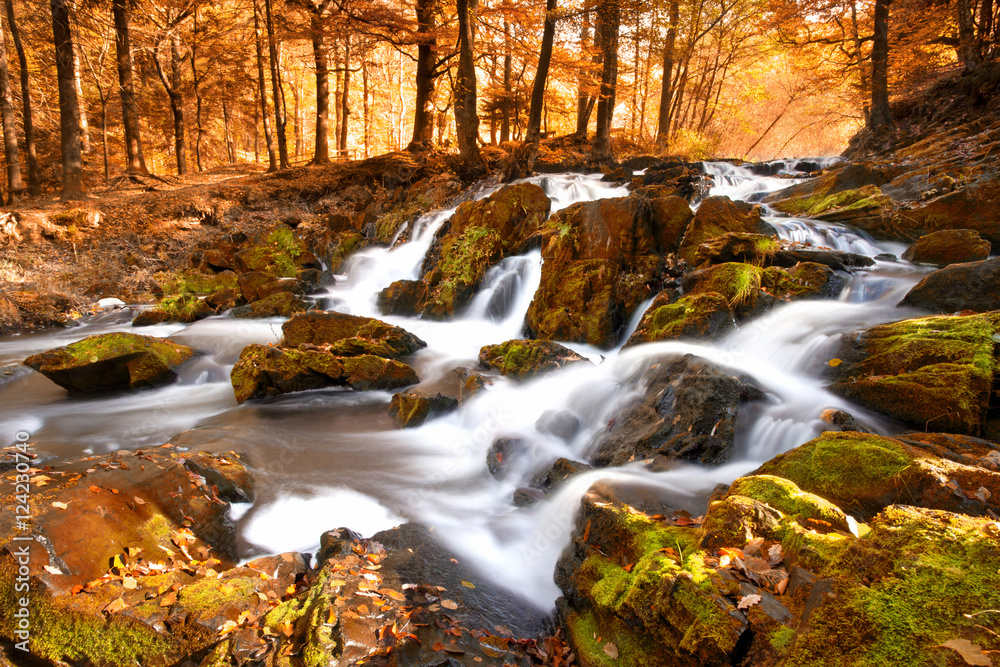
(349,335)
(412,409)
(931,372)
(264,371)
(948,246)
(688,413)
(525,359)
(973,286)
(112,361)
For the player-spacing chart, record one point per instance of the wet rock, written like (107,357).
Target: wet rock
(525,359)
(864,473)
(931,372)
(717,216)
(560,472)
(601,259)
(736,247)
(280,304)
(112,361)
(807,167)
(476,237)
(472,384)
(150,317)
(671,178)
(973,286)
(277,251)
(224,299)
(226,474)
(255,286)
(336,543)
(501,454)
(412,409)
(949,246)
(976,207)
(835,259)
(842,421)
(699,316)
(559,423)
(688,413)
(864,207)
(183,308)
(800,198)
(263,371)
(349,335)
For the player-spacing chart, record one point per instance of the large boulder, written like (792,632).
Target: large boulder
(972,286)
(976,207)
(948,246)
(764,251)
(801,198)
(525,359)
(264,371)
(349,335)
(688,413)
(699,316)
(279,304)
(601,259)
(477,236)
(112,361)
(717,216)
(931,372)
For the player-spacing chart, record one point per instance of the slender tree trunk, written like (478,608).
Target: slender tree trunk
(130,110)
(542,73)
(15,186)
(198,130)
(322,153)
(666,92)
(104,139)
(279,112)
(880,119)
(583,80)
(466,113)
(34,186)
(985,25)
(272,159)
(637,61)
(365,107)
(859,57)
(297,118)
(338,80)
(228,124)
(423,111)
(609,15)
(69,105)
(505,102)
(78,82)
(177,104)
(968,45)
(345,109)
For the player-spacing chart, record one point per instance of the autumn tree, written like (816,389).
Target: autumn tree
(69,104)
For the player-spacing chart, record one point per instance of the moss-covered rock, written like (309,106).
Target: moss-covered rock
(112,361)
(192,281)
(255,285)
(748,247)
(931,372)
(841,206)
(182,308)
(948,246)
(525,359)
(864,473)
(976,207)
(702,316)
(276,251)
(839,179)
(717,216)
(412,409)
(348,335)
(973,286)
(279,304)
(264,371)
(784,496)
(476,237)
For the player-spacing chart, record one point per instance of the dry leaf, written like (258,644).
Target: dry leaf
(748,601)
(835,362)
(971,653)
(59,505)
(983,494)
(52,570)
(129,583)
(753,547)
(115,606)
(467,584)
(611,650)
(449,604)
(94,489)
(774,554)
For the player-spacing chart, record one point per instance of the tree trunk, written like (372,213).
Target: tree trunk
(609,15)
(228,124)
(507,67)
(297,118)
(78,82)
(69,105)
(338,79)
(365,108)
(985,25)
(177,104)
(272,159)
(130,110)
(423,112)
(542,73)
(666,92)
(104,139)
(321,58)
(466,114)
(968,45)
(279,112)
(345,109)
(583,104)
(15,186)
(880,124)
(198,130)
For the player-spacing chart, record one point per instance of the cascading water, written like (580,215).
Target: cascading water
(330,458)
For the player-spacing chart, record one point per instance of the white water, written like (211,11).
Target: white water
(330,458)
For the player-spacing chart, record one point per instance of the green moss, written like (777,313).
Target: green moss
(735,281)
(190,281)
(349,244)
(784,496)
(184,308)
(781,639)
(842,465)
(524,359)
(820,202)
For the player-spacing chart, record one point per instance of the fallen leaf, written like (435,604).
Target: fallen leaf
(227,627)
(835,362)
(437,646)
(129,583)
(748,601)
(468,584)
(59,505)
(971,653)
(115,606)
(992,529)
(94,489)
(449,604)
(774,554)
(168,599)
(983,494)
(753,547)
(611,650)
(586,531)
(138,500)
(52,570)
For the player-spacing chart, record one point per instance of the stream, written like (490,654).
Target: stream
(330,458)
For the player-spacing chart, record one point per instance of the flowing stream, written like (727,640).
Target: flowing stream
(334,458)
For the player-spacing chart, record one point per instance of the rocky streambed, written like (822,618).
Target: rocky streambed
(701,428)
